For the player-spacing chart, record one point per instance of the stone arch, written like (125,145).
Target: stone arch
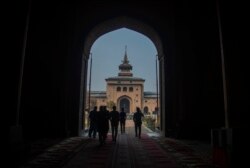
(145,110)
(135,25)
(123,22)
(128,103)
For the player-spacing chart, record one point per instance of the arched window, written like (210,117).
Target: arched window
(118,89)
(145,110)
(131,89)
(124,89)
(156,110)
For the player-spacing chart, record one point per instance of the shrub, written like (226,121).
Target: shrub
(149,122)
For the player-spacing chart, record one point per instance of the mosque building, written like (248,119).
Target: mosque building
(125,91)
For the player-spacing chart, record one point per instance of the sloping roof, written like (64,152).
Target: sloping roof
(150,94)
(102,94)
(99,94)
(122,78)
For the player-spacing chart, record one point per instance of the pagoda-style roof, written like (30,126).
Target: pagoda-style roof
(125,67)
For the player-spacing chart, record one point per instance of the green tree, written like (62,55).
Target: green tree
(110,105)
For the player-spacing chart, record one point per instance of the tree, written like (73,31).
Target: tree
(110,104)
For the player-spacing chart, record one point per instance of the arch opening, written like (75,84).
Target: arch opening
(134,25)
(124,103)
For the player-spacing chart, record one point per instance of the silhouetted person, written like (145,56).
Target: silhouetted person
(123,117)
(137,117)
(114,121)
(106,122)
(103,124)
(93,122)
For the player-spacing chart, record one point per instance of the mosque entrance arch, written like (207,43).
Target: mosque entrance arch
(138,26)
(124,103)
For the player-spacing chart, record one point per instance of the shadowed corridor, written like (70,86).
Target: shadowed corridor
(203,80)
(152,150)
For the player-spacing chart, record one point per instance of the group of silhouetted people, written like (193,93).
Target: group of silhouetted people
(99,122)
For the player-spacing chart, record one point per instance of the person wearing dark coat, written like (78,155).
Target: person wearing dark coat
(93,122)
(138,121)
(103,124)
(123,117)
(114,121)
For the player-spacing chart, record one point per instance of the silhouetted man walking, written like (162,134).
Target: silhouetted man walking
(103,124)
(123,117)
(93,122)
(138,121)
(114,120)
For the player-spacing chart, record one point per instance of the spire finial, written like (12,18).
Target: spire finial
(125,59)
(125,67)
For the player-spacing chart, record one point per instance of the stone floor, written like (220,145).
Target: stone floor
(152,150)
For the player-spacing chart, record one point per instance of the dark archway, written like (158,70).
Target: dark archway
(124,103)
(58,48)
(135,25)
(145,110)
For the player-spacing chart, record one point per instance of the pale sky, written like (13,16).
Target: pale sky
(108,52)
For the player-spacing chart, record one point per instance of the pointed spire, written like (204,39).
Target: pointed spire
(125,67)
(125,59)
